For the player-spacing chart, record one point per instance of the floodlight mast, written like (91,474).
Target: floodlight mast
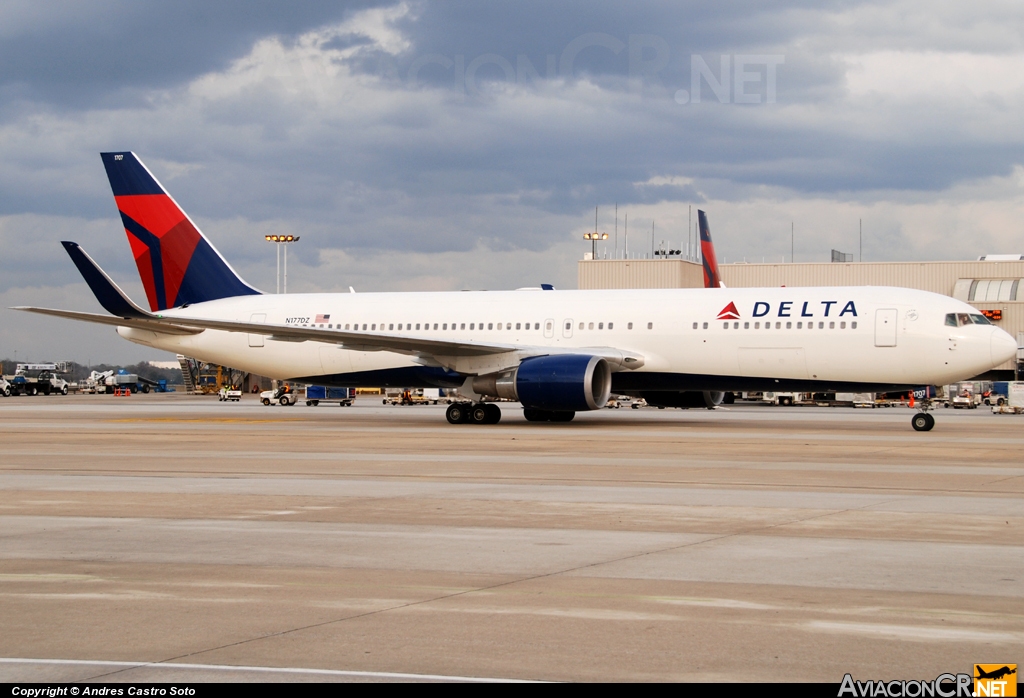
(279,240)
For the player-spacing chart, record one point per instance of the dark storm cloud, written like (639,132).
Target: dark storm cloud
(111,51)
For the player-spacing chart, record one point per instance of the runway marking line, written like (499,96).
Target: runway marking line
(262,669)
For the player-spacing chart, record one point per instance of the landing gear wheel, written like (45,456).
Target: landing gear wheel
(493,414)
(479,414)
(457,413)
(562,416)
(923,422)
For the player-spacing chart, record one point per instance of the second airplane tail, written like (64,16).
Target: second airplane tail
(712,279)
(177,264)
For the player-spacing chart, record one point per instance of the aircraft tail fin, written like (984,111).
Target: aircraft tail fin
(712,279)
(176,262)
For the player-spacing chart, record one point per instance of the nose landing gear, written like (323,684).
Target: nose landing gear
(922,421)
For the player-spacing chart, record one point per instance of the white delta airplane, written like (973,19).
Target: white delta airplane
(556,352)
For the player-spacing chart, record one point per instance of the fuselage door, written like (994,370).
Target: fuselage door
(567,328)
(885,327)
(256,340)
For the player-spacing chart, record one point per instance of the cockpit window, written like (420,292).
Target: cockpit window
(961,319)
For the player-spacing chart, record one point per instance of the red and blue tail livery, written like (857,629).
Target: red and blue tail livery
(178,265)
(712,279)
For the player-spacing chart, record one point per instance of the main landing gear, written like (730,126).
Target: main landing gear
(466,413)
(922,421)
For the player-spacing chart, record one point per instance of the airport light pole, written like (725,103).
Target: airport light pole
(594,237)
(282,240)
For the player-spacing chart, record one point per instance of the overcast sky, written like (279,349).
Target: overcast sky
(437,146)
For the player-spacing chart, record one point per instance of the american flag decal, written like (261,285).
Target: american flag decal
(321,318)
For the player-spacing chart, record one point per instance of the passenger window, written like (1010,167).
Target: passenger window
(417,325)
(346,325)
(517,325)
(650,325)
(778,325)
(499,326)
(537,326)
(463,326)
(799,325)
(581,325)
(390,327)
(472,325)
(705,325)
(591,326)
(600,325)
(757,325)
(372,327)
(853,325)
(695,325)
(746,325)
(821,325)
(629,325)
(832,325)
(789,325)
(445,326)
(611,325)
(842,325)
(725,325)
(735,325)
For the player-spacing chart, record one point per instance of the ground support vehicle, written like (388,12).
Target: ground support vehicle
(965,400)
(315,394)
(284,395)
(1014,403)
(785,399)
(32,379)
(998,394)
(229,394)
(418,396)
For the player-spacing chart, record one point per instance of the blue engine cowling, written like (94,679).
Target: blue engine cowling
(558,383)
(569,382)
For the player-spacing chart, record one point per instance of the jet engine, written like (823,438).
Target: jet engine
(556,383)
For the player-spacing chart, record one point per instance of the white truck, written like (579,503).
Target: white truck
(33,379)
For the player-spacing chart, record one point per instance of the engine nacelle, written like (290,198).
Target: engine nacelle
(560,383)
(690,399)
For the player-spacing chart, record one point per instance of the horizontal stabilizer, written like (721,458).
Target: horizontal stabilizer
(112,298)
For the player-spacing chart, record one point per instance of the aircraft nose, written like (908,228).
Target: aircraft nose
(1004,347)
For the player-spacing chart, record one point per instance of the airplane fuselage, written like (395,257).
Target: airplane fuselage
(689,339)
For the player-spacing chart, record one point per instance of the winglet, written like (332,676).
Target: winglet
(112,298)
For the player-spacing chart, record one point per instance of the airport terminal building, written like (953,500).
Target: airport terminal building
(996,288)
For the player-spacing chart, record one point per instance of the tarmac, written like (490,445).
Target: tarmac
(181,539)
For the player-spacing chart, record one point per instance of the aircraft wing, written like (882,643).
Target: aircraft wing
(125,313)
